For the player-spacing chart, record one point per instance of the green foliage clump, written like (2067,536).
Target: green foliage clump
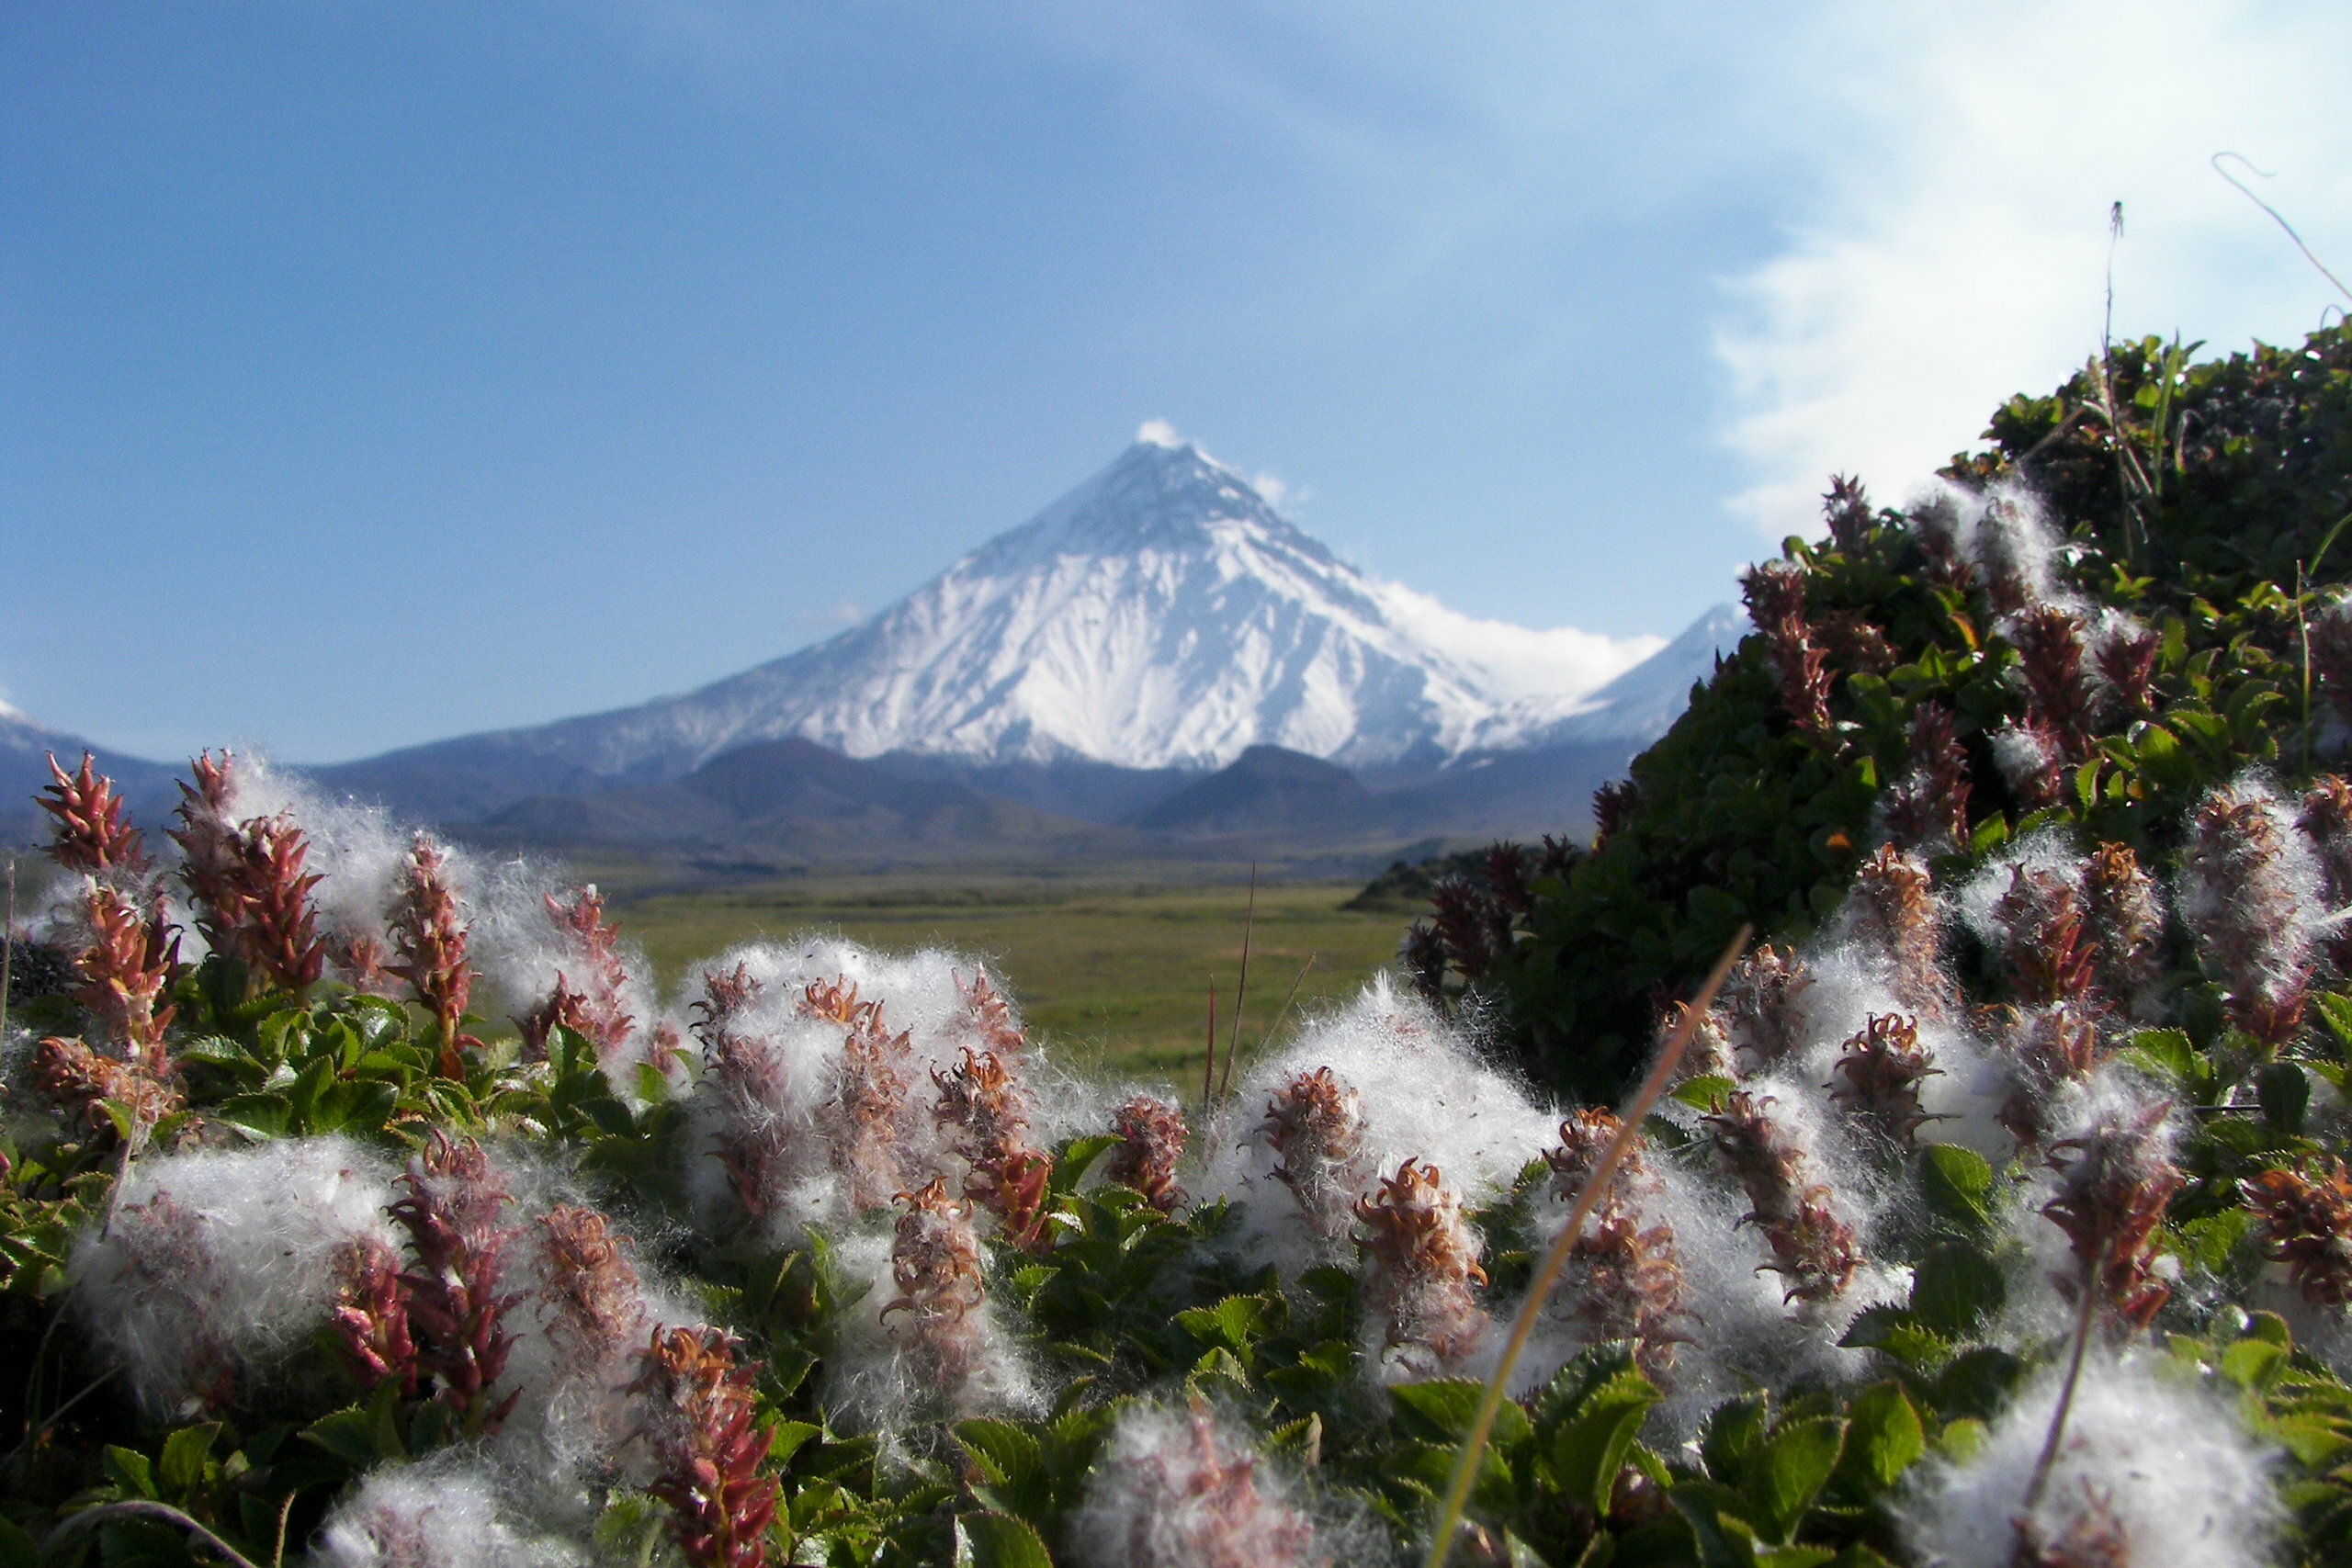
(2202,499)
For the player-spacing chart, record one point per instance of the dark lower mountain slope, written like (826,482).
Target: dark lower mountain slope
(798,800)
(1268,790)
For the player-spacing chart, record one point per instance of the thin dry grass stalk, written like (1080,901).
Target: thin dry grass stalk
(1538,1290)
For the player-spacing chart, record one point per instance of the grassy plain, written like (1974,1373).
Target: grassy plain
(1112,977)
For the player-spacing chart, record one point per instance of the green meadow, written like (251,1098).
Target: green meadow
(1112,978)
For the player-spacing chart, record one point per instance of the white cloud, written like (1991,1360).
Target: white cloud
(1514,663)
(1955,250)
(840,613)
(1157,433)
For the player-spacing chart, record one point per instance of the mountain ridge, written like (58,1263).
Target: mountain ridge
(1160,615)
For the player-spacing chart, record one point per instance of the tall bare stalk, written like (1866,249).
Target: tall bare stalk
(1539,1289)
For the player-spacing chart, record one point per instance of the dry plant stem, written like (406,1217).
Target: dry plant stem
(1208,1068)
(2083,1321)
(163,1512)
(1240,988)
(8,949)
(1539,1289)
(1284,1012)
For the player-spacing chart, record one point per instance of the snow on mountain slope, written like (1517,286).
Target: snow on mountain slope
(1644,702)
(1161,614)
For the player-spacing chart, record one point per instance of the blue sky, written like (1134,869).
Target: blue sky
(373,373)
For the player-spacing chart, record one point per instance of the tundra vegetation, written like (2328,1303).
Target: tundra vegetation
(1995,1215)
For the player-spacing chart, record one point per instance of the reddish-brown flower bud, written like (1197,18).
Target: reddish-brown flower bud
(1424,1263)
(2049,1047)
(992,1016)
(1813,1248)
(746,1079)
(595,1307)
(2115,1182)
(80,1080)
(125,968)
(2302,1218)
(936,1264)
(430,938)
(452,1214)
(1775,595)
(1763,1000)
(2246,898)
(370,1317)
(2125,659)
(2043,940)
(2127,923)
(1927,807)
(1878,1073)
(1847,509)
(708,1446)
(1315,1125)
(1891,914)
(986,1110)
(1151,1142)
(1623,1281)
(876,1073)
(90,834)
(595,1006)
(2049,639)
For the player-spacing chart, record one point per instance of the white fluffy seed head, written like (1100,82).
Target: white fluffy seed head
(2269,910)
(874,1384)
(797,1068)
(448,1512)
(2167,1463)
(1424,1092)
(1178,1488)
(221,1262)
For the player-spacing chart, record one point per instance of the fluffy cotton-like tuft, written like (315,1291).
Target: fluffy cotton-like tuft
(2165,1465)
(219,1263)
(2253,893)
(355,850)
(885,1372)
(1180,1489)
(2003,535)
(445,1512)
(1423,1094)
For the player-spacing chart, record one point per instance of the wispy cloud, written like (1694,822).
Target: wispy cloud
(1955,249)
(840,613)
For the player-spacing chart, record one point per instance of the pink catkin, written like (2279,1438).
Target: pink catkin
(429,935)
(745,1079)
(1315,1125)
(453,1214)
(1424,1265)
(89,832)
(1812,1249)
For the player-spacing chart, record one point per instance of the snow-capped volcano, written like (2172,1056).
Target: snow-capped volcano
(1161,614)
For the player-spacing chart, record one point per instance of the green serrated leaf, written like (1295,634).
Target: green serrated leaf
(1956,1289)
(2254,1363)
(1705,1091)
(132,1470)
(1884,1436)
(999,1540)
(185,1452)
(1590,1447)
(1784,1477)
(1956,1184)
(1441,1412)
